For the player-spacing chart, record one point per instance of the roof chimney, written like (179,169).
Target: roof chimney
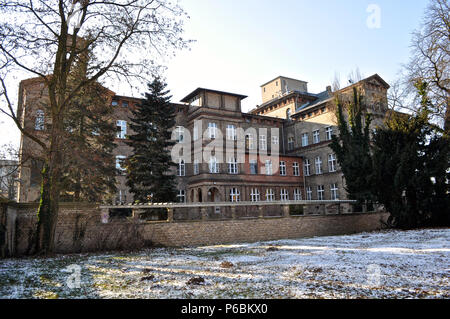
(329,88)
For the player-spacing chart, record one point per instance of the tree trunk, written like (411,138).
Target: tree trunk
(50,193)
(447,118)
(77,188)
(77,177)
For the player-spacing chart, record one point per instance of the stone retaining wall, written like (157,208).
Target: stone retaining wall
(80,229)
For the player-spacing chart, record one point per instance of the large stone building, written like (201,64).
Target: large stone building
(208,116)
(310,121)
(292,123)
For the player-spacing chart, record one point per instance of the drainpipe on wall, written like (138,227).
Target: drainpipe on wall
(295,105)
(304,177)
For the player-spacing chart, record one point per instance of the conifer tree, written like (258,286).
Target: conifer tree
(411,165)
(352,147)
(149,169)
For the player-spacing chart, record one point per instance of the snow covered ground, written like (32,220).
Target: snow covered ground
(387,264)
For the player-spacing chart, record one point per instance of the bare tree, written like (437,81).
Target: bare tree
(9,167)
(46,38)
(399,97)
(354,76)
(430,61)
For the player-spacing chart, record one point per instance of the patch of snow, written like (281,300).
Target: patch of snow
(385,264)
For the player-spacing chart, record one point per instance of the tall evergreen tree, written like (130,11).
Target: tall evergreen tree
(149,168)
(352,147)
(411,161)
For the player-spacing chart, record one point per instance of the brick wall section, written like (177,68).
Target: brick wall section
(261,229)
(79,229)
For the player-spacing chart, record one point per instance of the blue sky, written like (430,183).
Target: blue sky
(241,44)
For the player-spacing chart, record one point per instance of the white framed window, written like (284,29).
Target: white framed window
(296,169)
(122,129)
(195,132)
(275,140)
(318,162)
(181,170)
(297,194)
(270,195)
(235,195)
(231,132)
(254,195)
(212,129)
(332,162)
(213,165)
(119,163)
(268,167)
(181,196)
(284,194)
(329,133)
(334,191)
(179,133)
(316,136)
(196,167)
(308,193)
(232,165)
(305,139)
(39,122)
(307,167)
(262,142)
(283,168)
(290,143)
(249,141)
(320,192)
(254,167)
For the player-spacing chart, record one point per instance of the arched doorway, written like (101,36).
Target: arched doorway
(199,192)
(213,195)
